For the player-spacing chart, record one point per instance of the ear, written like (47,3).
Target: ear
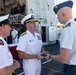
(1,28)
(27,26)
(63,14)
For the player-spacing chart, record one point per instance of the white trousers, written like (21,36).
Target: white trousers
(32,67)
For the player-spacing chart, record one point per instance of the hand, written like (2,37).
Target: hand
(44,53)
(16,63)
(40,57)
(48,57)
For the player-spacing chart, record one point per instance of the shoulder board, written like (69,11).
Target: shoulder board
(23,34)
(1,42)
(68,25)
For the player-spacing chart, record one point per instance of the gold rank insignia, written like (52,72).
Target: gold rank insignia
(14,73)
(1,42)
(23,34)
(38,37)
(31,20)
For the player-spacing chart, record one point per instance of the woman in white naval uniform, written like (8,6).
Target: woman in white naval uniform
(30,47)
(7,64)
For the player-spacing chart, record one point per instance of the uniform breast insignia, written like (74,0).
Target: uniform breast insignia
(23,34)
(1,42)
(38,37)
(31,40)
(67,25)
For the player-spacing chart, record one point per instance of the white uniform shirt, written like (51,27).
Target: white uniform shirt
(14,33)
(68,40)
(30,44)
(6,58)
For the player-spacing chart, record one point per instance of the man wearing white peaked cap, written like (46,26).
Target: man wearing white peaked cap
(7,63)
(30,47)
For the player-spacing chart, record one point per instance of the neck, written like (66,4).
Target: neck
(33,32)
(2,35)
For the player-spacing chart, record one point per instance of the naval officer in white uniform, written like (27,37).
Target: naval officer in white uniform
(7,63)
(14,34)
(30,47)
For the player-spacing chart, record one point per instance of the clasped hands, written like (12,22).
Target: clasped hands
(45,55)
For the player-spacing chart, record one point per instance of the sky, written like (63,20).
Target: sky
(74,6)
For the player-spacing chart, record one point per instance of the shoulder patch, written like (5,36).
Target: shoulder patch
(39,38)
(1,42)
(23,34)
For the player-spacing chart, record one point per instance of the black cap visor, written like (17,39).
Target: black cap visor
(5,22)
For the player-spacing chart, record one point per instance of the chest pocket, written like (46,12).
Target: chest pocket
(31,42)
(31,47)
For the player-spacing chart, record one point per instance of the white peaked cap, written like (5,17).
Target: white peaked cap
(28,18)
(2,18)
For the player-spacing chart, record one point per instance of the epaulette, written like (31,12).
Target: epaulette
(23,33)
(1,42)
(67,25)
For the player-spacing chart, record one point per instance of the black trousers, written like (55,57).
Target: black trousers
(69,69)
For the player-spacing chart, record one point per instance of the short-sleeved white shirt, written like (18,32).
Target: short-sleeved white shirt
(30,44)
(6,58)
(14,33)
(68,40)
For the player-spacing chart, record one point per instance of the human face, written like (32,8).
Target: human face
(6,30)
(60,17)
(31,26)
